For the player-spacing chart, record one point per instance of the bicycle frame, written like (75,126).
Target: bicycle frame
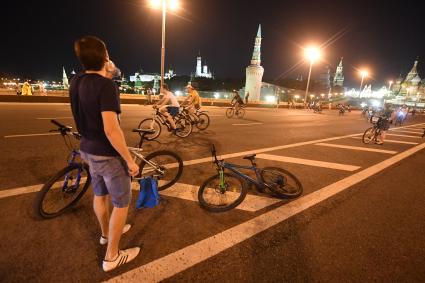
(232,167)
(136,152)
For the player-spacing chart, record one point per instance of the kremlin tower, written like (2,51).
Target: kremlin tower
(254,72)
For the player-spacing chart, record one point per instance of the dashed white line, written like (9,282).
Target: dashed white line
(31,135)
(247,124)
(406,136)
(407,131)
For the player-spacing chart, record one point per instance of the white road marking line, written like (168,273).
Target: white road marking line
(390,141)
(251,203)
(54,118)
(406,136)
(247,124)
(309,162)
(357,148)
(176,262)
(190,192)
(31,135)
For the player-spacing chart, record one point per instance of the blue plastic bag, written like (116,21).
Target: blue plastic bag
(148,195)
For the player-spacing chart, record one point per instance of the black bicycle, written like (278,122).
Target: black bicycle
(373,133)
(202,120)
(183,124)
(224,191)
(64,189)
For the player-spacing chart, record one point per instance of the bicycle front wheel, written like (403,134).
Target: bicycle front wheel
(230,112)
(203,122)
(150,123)
(216,198)
(282,183)
(369,135)
(184,127)
(165,165)
(62,191)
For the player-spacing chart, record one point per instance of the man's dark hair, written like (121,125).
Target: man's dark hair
(92,53)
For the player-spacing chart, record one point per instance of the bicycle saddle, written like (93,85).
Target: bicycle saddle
(144,131)
(250,157)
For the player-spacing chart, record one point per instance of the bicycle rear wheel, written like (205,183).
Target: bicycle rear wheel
(282,183)
(150,123)
(369,135)
(240,113)
(165,165)
(214,198)
(204,121)
(62,191)
(230,112)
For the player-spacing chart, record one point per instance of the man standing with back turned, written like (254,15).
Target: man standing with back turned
(95,106)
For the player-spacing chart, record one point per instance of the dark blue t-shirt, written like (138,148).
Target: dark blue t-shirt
(90,95)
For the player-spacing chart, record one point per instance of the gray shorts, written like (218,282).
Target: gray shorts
(109,176)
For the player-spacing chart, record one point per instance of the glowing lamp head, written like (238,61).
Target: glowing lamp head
(173,4)
(312,54)
(364,73)
(156,4)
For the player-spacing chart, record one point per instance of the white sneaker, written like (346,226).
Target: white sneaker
(123,257)
(104,240)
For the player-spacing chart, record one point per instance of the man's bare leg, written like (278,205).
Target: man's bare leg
(101,209)
(116,225)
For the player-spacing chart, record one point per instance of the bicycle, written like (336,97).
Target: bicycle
(203,120)
(64,189)
(224,191)
(372,133)
(239,112)
(184,126)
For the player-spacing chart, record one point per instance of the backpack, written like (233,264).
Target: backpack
(148,195)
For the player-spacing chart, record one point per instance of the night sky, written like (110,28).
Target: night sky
(37,36)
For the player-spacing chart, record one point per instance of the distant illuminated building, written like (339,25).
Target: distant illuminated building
(202,71)
(149,77)
(410,85)
(339,75)
(65,82)
(254,72)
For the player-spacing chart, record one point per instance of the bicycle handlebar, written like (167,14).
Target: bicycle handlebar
(214,153)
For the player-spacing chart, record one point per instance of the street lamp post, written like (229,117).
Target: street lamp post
(364,74)
(312,54)
(173,5)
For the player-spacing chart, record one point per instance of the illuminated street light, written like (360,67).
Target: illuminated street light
(389,85)
(165,5)
(312,54)
(363,74)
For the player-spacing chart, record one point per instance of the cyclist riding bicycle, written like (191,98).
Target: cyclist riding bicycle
(193,101)
(237,101)
(168,106)
(384,123)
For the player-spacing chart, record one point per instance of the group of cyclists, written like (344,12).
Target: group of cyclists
(169,106)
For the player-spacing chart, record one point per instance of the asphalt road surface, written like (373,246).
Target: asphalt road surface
(361,217)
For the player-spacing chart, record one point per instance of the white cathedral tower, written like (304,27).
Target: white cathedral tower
(64,79)
(254,72)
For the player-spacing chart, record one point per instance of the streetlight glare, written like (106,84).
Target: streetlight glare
(155,3)
(364,73)
(174,4)
(312,53)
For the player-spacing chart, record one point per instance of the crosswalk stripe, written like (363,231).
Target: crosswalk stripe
(357,148)
(406,136)
(405,131)
(309,162)
(390,141)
